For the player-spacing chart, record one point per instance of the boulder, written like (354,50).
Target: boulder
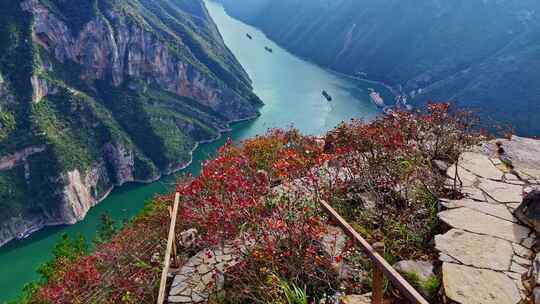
(536,295)
(421,275)
(523,153)
(529,210)
(333,242)
(188,237)
(356,299)
(441,165)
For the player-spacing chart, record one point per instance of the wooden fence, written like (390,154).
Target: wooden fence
(381,268)
(170,245)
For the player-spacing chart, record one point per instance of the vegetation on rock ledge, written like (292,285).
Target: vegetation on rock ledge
(259,198)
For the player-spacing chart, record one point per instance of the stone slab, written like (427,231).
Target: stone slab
(481,223)
(476,250)
(502,192)
(467,178)
(523,152)
(468,285)
(480,164)
(497,210)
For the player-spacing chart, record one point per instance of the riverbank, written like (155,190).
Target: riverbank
(22,228)
(387,86)
(288,101)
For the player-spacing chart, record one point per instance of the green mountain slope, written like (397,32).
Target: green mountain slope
(478,53)
(94,94)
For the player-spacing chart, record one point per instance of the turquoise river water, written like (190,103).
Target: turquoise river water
(291,89)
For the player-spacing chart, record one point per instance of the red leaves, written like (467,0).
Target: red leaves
(219,200)
(230,200)
(82,275)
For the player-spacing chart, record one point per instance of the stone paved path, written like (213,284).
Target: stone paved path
(201,274)
(485,253)
(487,250)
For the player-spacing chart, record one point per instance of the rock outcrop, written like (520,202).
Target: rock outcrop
(80,192)
(119,92)
(9,161)
(529,210)
(41,88)
(18,227)
(6,96)
(420,274)
(124,49)
(487,254)
(123,160)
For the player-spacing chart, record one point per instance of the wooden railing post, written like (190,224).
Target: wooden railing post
(378,278)
(174,250)
(379,263)
(170,241)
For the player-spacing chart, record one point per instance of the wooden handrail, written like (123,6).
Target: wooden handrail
(378,261)
(381,266)
(170,241)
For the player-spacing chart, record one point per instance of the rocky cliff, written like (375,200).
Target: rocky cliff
(430,50)
(110,92)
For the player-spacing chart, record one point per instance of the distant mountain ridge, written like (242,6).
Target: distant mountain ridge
(98,93)
(482,54)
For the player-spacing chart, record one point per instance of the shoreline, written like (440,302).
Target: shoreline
(389,87)
(42,223)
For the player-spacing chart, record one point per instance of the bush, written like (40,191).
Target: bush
(393,183)
(260,199)
(273,235)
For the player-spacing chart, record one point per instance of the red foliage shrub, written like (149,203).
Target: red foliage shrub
(75,277)
(224,197)
(276,231)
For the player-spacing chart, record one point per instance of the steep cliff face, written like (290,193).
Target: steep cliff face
(5,95)
(478,53)
(6,101)
(114,91)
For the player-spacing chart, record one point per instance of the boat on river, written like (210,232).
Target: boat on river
(268,49)
(376,98)
(249,36)
(326,95)
(24,235)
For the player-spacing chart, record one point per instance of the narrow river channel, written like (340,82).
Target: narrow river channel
(291,89)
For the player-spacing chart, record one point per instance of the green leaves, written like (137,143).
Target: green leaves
(107,229)
(293,293)
(68,249)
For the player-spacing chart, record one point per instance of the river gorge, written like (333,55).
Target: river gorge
(291,90)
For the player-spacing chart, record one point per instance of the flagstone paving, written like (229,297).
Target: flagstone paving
(486,254)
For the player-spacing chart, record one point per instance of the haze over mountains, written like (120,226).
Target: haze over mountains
(99,93)
(483,54)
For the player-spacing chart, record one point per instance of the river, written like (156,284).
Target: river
(291,89)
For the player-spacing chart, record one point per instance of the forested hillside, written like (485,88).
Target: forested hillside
(479,53)
(99,93)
